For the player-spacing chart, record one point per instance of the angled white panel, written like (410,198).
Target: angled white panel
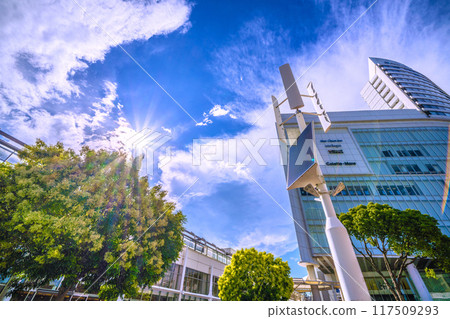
(323,117)
(292,92)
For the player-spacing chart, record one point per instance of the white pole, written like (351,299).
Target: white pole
(417,280)
(183,273)
(350,276)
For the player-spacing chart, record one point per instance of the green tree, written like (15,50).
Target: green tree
(254,275)
(87,217)
(408,233)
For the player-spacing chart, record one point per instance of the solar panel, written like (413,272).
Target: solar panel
(302,160)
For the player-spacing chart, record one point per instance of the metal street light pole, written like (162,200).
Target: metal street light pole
(345,261)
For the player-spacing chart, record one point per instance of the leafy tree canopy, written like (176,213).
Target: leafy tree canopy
(88,217)
(254,275)
(408,233)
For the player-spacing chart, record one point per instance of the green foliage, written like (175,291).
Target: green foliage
(254,275)
(408,233)
(430,273)
(81,215)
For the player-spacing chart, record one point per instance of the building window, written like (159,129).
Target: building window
(433,169)
(412,190)
(199,248)
(215,287)
(196,282)
(396,169)
(388,153)
(172,277)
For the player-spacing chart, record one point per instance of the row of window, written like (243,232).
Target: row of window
(423,88)
(381,189)
(347,191)
(415,169)
(205,250)
(194,281)
(434,101)
(439,113)
(408,73)
(413,83)
(403,153)
(398,68)
(414,80)
(397,190)
(423,93)
(403,135)
(432,106)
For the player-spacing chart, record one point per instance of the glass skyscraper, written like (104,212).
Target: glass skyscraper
(393,85)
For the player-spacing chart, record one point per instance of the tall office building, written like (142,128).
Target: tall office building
(393,85)
(390,156)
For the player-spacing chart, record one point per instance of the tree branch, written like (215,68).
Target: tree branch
(374,266)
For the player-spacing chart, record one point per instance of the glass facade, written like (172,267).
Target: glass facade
(380,292)
(409,172)
(438,287)
(427,95)
(172,278)
(196,281)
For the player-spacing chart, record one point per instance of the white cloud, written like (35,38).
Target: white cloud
(167,130)
(216,111)
(105,126)
(43,44)
(277,241)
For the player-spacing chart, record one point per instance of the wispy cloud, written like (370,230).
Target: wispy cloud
(247,65)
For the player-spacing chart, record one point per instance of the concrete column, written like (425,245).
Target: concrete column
(183,273)
(325,293)
(211,272)
(314,288)
(352,282)
(417,280)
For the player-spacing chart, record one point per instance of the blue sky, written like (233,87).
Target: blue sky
(65,77)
